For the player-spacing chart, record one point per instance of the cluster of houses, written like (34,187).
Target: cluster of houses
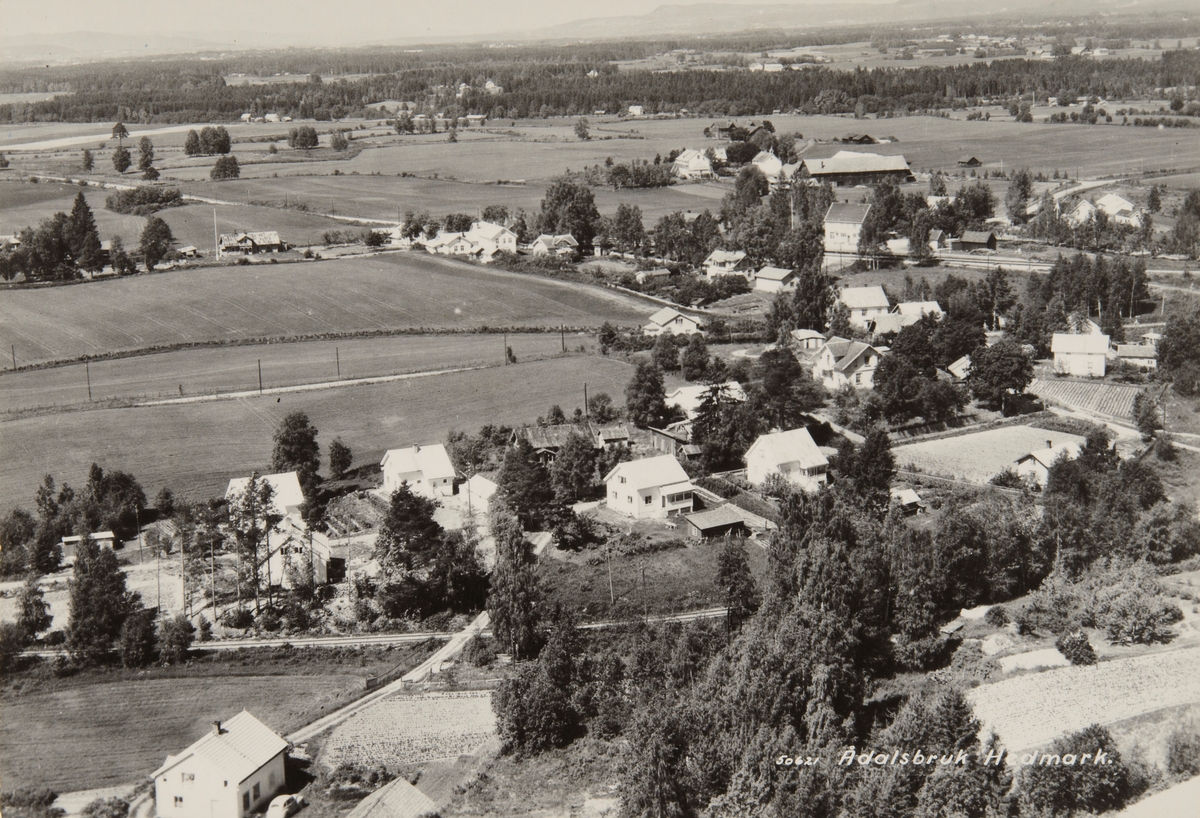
(483,242)
(844,168)
(1087,351)
(1116,208)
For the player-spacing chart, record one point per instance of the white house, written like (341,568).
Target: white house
(231,771)
(70,544)
(1119,210)
(770,165)
(1080,213)
(546,245)
(688,398)
(668,320)
(727,262)
(478,490)
(793,455)
(636,110)
(842,362)
(493,236)
(960,368)
(286,494)
(426,469)
(293,544)
(1037,463)
(919,308)
(482,241)
(807,339)
(1142,356)
(774,280)
(1079,355)
(864,304)
(843,226)
(652,488)
(692,164)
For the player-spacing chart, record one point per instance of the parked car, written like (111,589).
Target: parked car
(283,806)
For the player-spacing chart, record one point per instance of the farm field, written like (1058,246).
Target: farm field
(387,291)
(1110,399)
(976,457)
(207,371)
(196,448)
(1031,710)
(404,729)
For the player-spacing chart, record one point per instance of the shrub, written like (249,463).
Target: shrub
(106,808)
(1183,751)
(138,639)
(929,653)
(144,200)
(997,616)
(237,618)
(177,635)
(1076,648)
(480,652)
(28,797)
(1063,789)
(205,630)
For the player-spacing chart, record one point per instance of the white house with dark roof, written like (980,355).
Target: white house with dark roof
(842,362)
(1037,463)
(843,226)
(671,321)
(231,771)
(727,262)
(651,488)
(793,455)
(774,280)
(1083,355)
(425,468)
(864,304)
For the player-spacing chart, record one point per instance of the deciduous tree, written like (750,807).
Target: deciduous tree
(645,396)
(296,449)
(515,592)
(340,458)
(156,241)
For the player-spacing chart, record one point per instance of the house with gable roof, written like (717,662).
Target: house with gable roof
(858,168)
(651,488)
(547,245)
(692,164)
(864,304)
(672,321)
(1036,464)
(843,226)
(727,262)
(792,454)
(426,468)
(774,280)
(266,241)
(229,772)
(842,362)
(1083,355)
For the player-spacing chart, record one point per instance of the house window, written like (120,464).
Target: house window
(179,800)
(256,792)
(245,801)
(185,777)
(622,481)
(648,499)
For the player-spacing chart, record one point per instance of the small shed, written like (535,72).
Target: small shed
(978,240)
(723,521)
(969,162)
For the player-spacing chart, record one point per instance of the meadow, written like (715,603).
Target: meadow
(117,726)
(225,369)
(979,456)
(388,291)
(195,448)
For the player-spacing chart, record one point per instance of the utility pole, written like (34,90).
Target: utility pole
(562,336)
(506,347)
(216,240)
(260,376)
(14,357)
(585,402)
(338,357)
(87,371)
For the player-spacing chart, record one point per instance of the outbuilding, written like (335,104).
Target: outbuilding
(715,523)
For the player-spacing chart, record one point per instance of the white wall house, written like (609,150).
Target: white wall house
(651,488)
(774,280)
(1037,463)
(547,245)
(689,398)
(864,303)
(793,455)
(425,468)
(1083,356)
(232,770)
(668,321)
(286,493)
(842,362)
(692,164)
(727,262)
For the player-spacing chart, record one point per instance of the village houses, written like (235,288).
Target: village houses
(727,262)
(1036,465)
(843,227)
(842,362)
(692,164)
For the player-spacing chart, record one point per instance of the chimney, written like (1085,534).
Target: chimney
(216,728)
(1049,444)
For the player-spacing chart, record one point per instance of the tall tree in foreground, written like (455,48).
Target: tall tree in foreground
(340,458)
(146,158)
(569,207)
(99,601)
(252,519)
(515,592)
(296,449)
(998,371)
(156,241)
(736,583)
(645,396)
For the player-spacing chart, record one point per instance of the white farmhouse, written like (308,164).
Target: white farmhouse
(843,227)
(233,770)
(1080,355)
(652,488)
(842,362)
(547,245)
(727,262)
(692,164)
(774,280)
(286,494)
(864,303)
(671,321)
(425,468)
(1037,463)
(793,455)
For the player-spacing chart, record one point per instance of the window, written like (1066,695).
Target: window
(185,777)
(648,499)
(622,480)
(256,792)
(245,801)
(179,800)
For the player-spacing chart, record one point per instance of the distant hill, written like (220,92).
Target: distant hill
(86,45)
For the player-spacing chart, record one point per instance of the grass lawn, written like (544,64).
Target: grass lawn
(110,726)
(196,448)
(677,580)
(235,368)
(389,291)
(979,456)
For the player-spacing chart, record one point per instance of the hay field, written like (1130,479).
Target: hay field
(235,368)
(979,456)
(196,448)
(389,291)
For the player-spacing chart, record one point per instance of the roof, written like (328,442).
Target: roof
(805,334)
(688,398)
(978,236)
(553,437)
(850,355)
(430,459)
(618,431)
(666,315)
(1086,344)
(244,745)
(795,446)
(650,472)
(716,517)
(861,298)
(905,496)
(724,257)
(553,241)
(842,213)
(856,162)
(285,487)
(399,799)
(1049,455)
(775,274)
(487,230)
(1136,351)
(918,308)
(892,322)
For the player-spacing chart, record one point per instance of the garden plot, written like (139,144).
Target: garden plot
(1099,397)
(412,729)
(977,457)
(1030,711)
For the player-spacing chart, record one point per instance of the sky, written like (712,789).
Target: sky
(306,22)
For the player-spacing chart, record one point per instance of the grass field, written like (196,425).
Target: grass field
(196,448)
(388,291)
(979,456)
(110,726)
(235,368)
(1109,399)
